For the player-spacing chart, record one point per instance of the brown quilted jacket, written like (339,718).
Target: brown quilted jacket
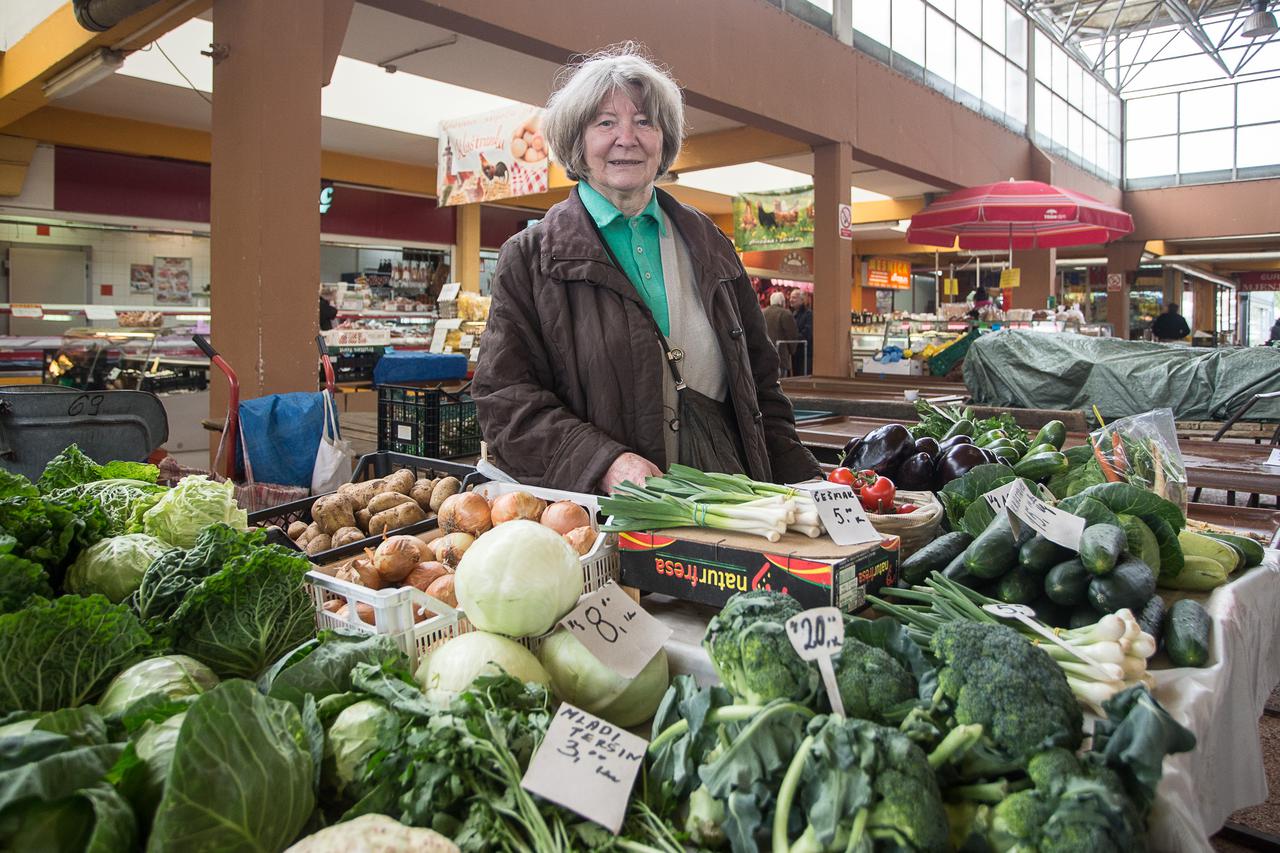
(570,370)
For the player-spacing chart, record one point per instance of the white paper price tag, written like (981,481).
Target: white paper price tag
(467,342)
(1053,524)
(841,513)
(441,331)
(449,292)
(997,497)
(817,634)
(1274,458)
(100,312)
(586,765)
(31,312)
(615,629)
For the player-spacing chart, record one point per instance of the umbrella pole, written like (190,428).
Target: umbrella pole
(1002,298)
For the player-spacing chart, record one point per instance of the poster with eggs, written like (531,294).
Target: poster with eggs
(495,155)
(172,281)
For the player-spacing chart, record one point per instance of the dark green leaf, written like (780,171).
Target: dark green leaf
(323,667)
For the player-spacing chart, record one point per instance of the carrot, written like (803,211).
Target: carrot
(1107,471)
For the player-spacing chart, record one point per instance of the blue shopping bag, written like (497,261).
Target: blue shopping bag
(279,436)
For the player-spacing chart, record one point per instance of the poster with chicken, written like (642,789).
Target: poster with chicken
(499,154)
(780,219)
(172,281)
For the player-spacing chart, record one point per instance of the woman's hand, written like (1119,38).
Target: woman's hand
(628,466)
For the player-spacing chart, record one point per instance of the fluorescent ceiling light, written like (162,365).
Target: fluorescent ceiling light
(100,64)
(360,92)
(745,177)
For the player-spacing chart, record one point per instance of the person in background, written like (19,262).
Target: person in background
(1170,326)
(802,362)
(1275,334)
(327,314)
(624,333)
(781,326)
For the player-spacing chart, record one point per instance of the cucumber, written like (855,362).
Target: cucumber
(1041,448)
(1017,587)
(1042,466)
(934,557)
(1067,583)
(1186,633)
(1152,617)
(1101,546)
(989,436)
(1253,553)
(957,572)
(999,444)
(1051,613)
(1131,584)
(1082,616)
(1020,446)
(994,552)
(960,427)
(1054,432)
(1009,455)
(1040,555)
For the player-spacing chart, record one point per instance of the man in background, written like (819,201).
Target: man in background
(1170,326)
(779,325)
(802,359)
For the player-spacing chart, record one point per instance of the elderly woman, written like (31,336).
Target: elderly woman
(624,333)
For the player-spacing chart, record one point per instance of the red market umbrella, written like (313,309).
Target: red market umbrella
(1017,215)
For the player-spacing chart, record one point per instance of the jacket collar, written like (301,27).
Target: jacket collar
(570,250)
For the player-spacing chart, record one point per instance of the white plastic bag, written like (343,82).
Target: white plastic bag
(333,457)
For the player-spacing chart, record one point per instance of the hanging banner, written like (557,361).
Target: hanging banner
(1255,281)
(951,287)
(782,219)
(1010,278)
(495,155)
(888,274)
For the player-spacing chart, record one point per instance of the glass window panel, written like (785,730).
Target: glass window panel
(1090,143)
(1015,41)
(1015,99)
(947,7)
(1116,106)
(1075,132)
(1150,158)
(969,63)
(1152,116)
(1104,150)
(1044,58)
(908,29)
(1089,99)
(1060,64)
(993,78)
(871,18)
(1205,109)
(1115,156)
(1210,151)
(1060,111)
(1044,112)
(1075,85)
(1259,101)
(1258,145)
(993,23)
(940,45)
(969,15)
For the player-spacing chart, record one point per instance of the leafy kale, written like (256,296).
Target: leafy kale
(63,653)
(52,532)
(748,645)
(16,486)
(962,497)
(322,667)
(122,501)
(242,618)
(19,579)
(1134,739)
(72,468)
(1083,473)
(140,471)
(168,580)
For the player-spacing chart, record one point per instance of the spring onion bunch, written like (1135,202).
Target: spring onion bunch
(687,497)
(1100,660)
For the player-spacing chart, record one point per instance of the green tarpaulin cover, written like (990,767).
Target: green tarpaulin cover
(1035,370)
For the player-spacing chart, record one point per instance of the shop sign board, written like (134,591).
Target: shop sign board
(888,274)
(498,154)
(782,219)
(1259,280)
(951,287)
(846,222)
(1010,278)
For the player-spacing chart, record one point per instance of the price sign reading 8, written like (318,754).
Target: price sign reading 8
(595,618)
(616,630)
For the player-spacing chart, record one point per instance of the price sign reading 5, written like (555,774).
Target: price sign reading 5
(842,514)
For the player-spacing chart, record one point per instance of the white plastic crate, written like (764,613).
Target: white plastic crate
(393,609)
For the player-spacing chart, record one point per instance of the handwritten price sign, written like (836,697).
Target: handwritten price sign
(1053,524)
(817,634)
(586,765)
(841,513)
(615,629)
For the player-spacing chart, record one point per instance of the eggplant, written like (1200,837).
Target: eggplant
(956,462)
(955,440)
(882,450)
(927,444)
(916,472)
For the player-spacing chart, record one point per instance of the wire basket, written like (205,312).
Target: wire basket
(430,422)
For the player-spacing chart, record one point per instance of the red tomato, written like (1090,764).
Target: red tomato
(877,496)
(841,476)
(906,508)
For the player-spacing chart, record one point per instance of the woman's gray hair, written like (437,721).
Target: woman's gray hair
(586,83)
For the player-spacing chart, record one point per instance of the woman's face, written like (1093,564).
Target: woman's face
(622,145)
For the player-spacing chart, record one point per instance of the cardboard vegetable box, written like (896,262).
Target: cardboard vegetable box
(708,566)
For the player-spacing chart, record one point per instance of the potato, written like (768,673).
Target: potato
(334,604)
(386,501)
(396,517)
(332,513)
(401,481)
(347,535)
(421,493)
(444,489)
(362,493)
(296,529)
(362,519)
(313,530)
(319,543)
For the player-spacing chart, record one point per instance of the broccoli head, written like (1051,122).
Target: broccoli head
(859,785)
(748,645)
(872,683)
(990,675)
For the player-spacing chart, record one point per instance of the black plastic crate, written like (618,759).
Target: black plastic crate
(425,421)
(353,364)
(367,467)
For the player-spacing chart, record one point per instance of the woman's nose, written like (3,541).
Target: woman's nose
(626,134)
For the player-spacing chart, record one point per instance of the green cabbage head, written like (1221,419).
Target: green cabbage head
(114,567)
(190,507)
(176,676)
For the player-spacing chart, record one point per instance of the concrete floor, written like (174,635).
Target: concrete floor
(1264,817)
